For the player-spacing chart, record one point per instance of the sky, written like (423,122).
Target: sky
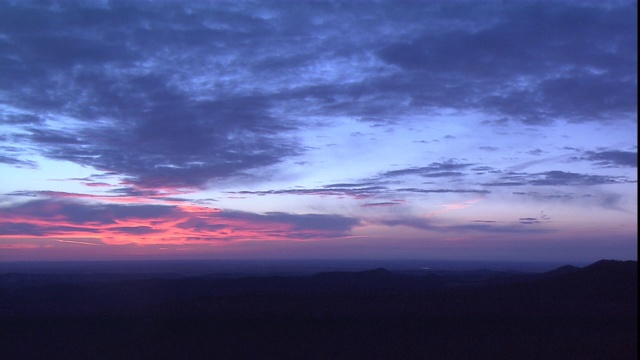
(466,130)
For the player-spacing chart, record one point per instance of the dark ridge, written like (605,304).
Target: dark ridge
(618,266)
(379,274)
(605,275)
(563,270)
(567,313)
(605,288)
(41,279)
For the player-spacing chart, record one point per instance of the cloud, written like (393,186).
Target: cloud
(546,196)
(500,229)
(441,191)
(489,148)
(162,224)
(605,199)
(338,190)
(528,221)
(482,226)
(416,223)
(443,169)
(610,200)
(13,161)
(333,223)
(483,169)
(443,174)
(116,102)
(509,65)
(613,158)
(81,213)
(556,178)
(183,94)
(536,152)
(355,192)
(134,230)
(383,204)
(19,229)
(120,195)
(562,178)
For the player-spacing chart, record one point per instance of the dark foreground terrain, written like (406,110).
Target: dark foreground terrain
(568,313)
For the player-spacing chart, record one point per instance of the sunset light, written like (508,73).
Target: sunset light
(299,129)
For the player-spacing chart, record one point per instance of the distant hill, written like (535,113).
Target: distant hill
(563,270)
(566,313)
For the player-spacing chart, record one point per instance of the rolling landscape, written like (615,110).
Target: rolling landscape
(570,312)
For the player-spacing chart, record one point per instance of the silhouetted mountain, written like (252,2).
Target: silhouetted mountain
(563,270)
(566,313)
(617,267)
(601,289)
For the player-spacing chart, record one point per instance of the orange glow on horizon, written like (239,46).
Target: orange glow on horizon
(181,225)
